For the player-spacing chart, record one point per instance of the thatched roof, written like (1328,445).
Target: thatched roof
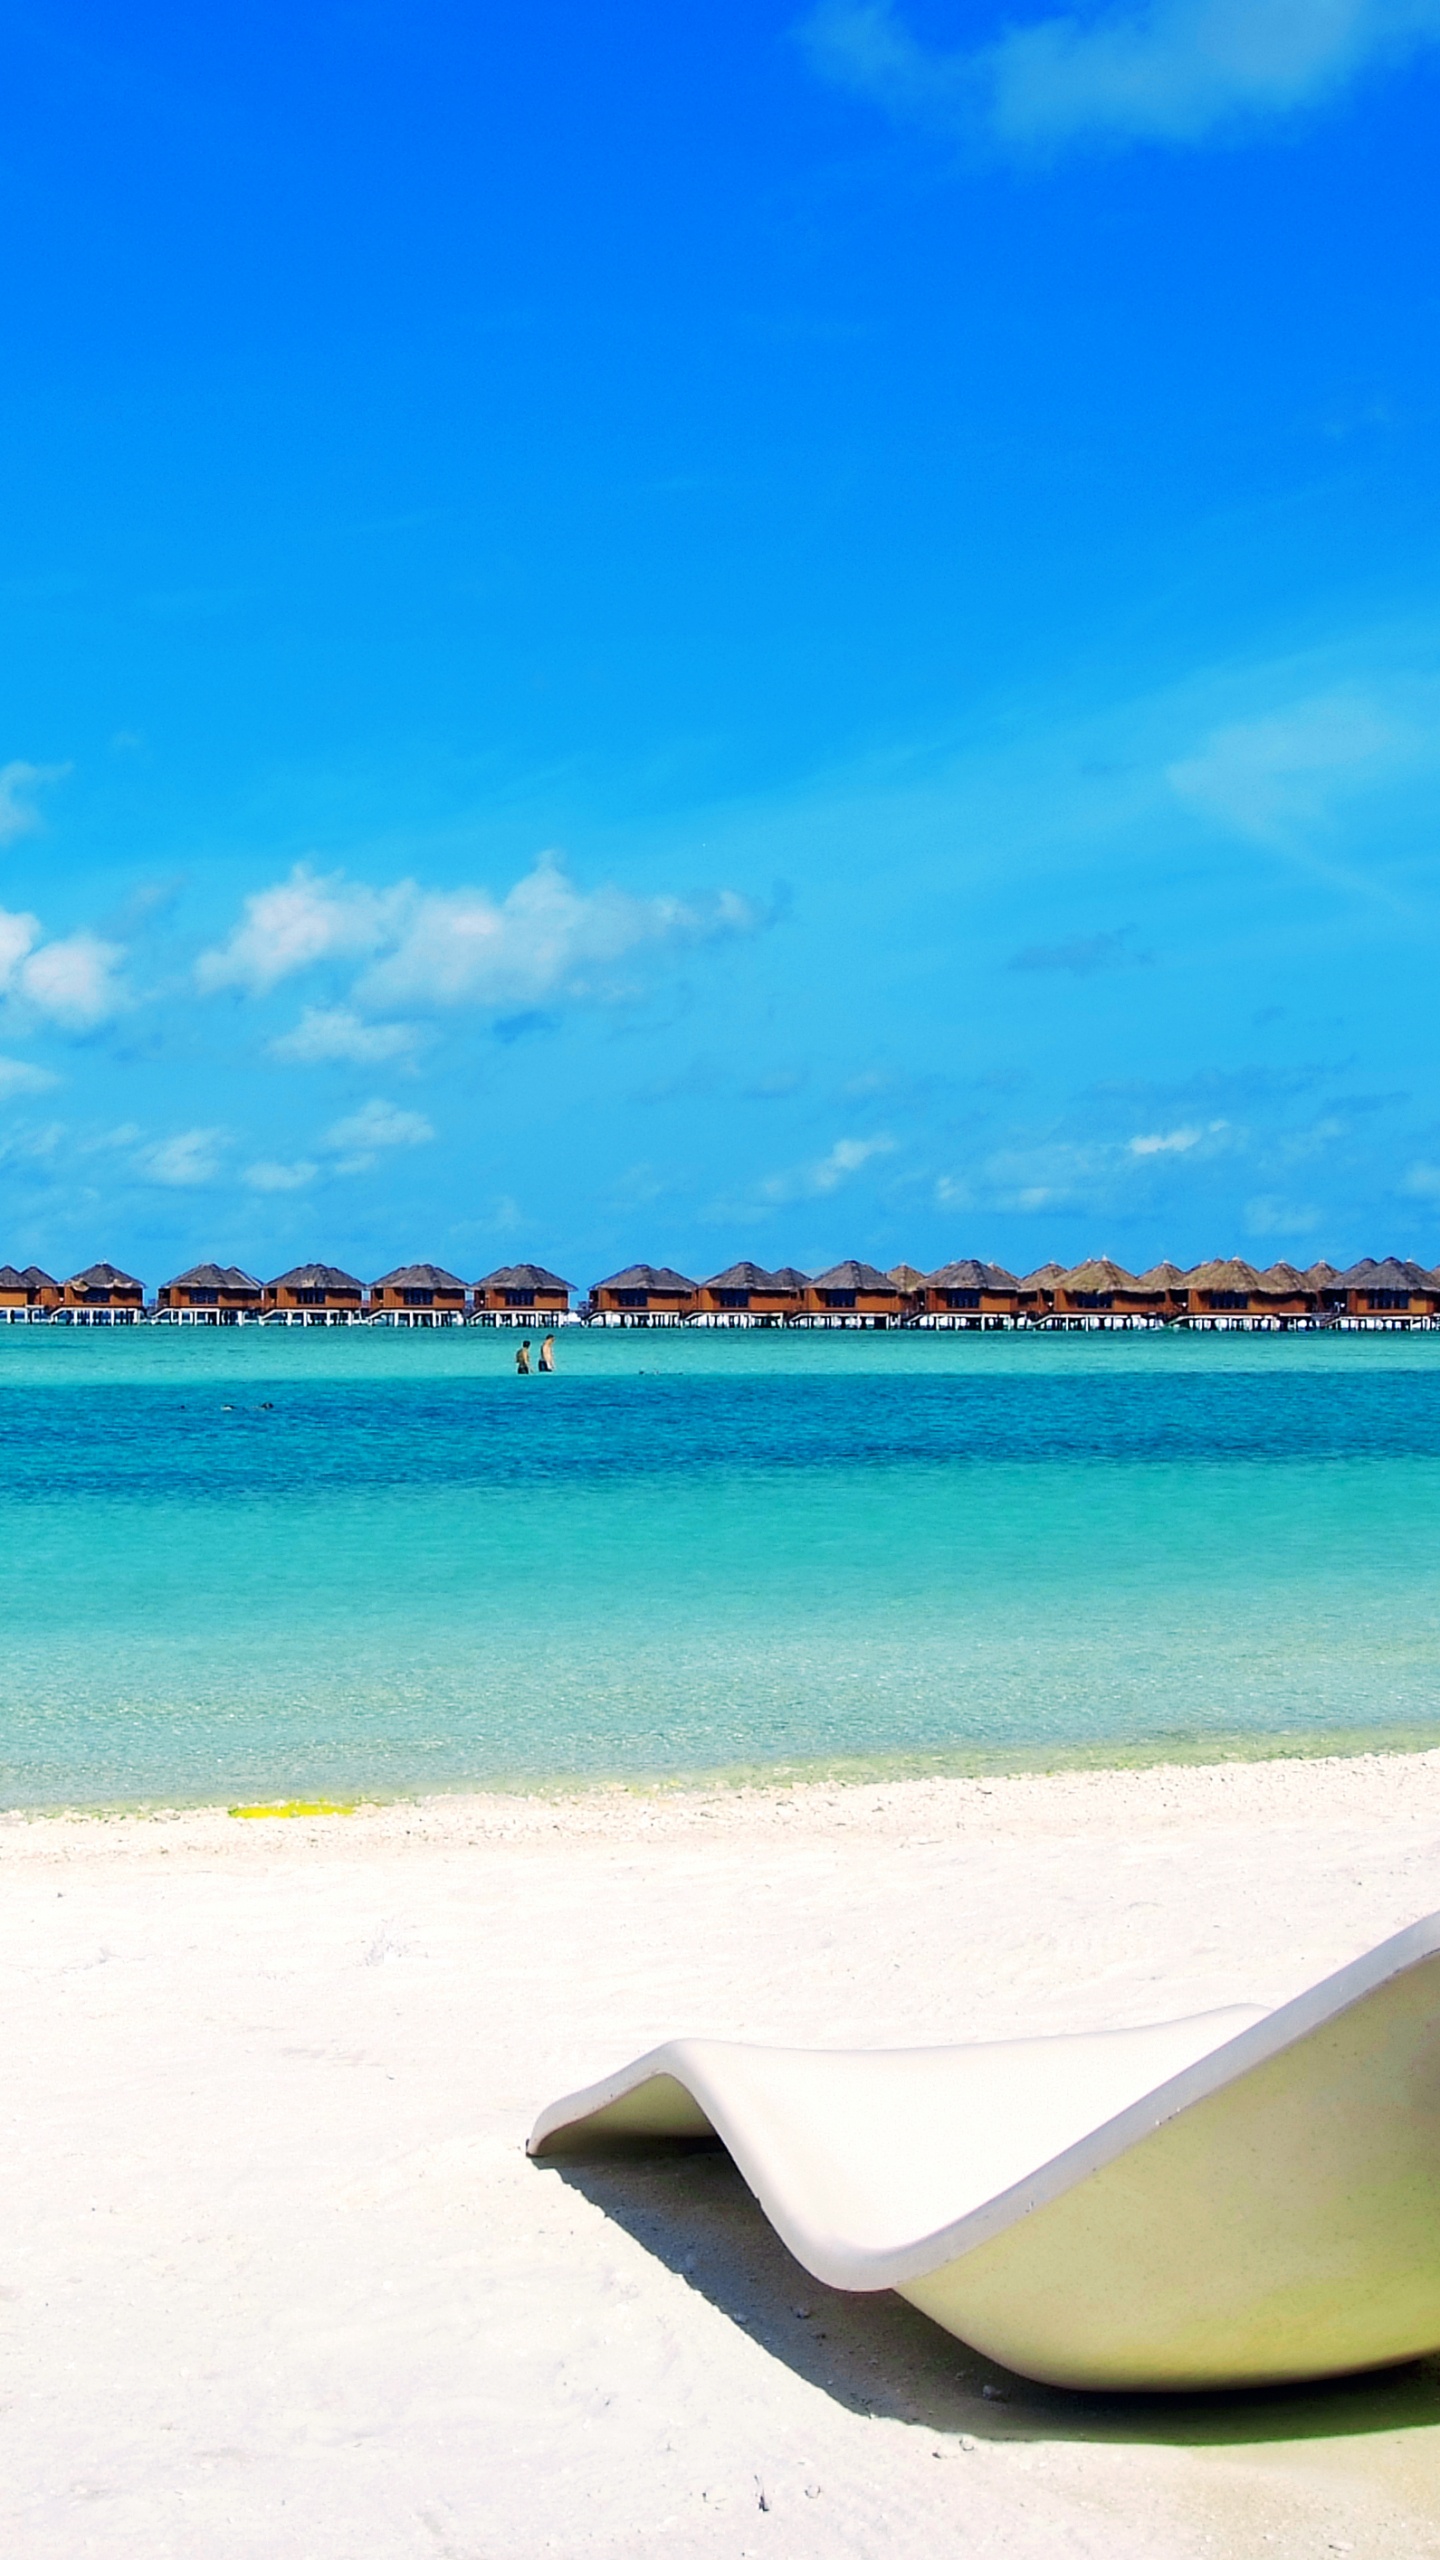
(316,1275)
(213,1275)
(905,1276)
(1386,1275)
(1103,1278)
(1321,1275)
(418,1275)
(787,1277)
(103,1275)
(37,1278)
(1232,1274)
(1285,1280)
(524,1275)
(973,1275)
(10,1278)
(1163,1275)
(656,1277)
(1045,1277)
(749,1275)
(857,1275)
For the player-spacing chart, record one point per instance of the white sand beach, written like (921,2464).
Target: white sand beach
(279,2280)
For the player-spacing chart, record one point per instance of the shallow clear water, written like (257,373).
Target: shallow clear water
(696,1552)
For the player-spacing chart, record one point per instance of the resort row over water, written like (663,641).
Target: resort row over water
(971,1296)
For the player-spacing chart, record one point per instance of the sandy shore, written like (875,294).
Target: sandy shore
(278,2279)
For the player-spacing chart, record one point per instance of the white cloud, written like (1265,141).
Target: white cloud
(295,924)
(380,1124)
(1423,1182)
(186,1161)
(1267,777)
(70,982)
(362,1134)
(326,1034)
(848,1156)
(17,815)
(544,941)
(1157,70)
(73,981)
(1174,1142)
(267,1175)
(17,1076)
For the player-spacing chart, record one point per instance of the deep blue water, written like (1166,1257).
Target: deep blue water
(687,1552)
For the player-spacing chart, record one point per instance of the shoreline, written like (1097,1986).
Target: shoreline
(751,1779)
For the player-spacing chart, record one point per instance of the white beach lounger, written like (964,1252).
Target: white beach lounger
(1244,2197)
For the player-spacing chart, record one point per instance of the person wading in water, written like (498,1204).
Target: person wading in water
(522,1358)
(547,1352)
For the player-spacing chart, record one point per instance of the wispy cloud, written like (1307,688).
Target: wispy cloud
(1271,1216)
(1174,1142)
(544,941)
(363,1134)
(1177,71)
(1285,772)
(18,813)
(18,1076)
(185,1162)
(270,1175)
(327,1035)
(1084,954)
(846,1158)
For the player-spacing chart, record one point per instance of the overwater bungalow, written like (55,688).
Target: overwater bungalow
(911,1284)
(748,1294)
(1037,1290)
(1230,1293)
(1383,1294)
(213,1293)
(969,1294)
(419,1293)
(1169,1282)
(644,1293)
(1102,1293)
(1322,1280)
(852,1294)
(102,1295)
(315,1293)
(28,1296)
(522,1293)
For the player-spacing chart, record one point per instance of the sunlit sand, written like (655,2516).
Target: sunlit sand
(280,2280)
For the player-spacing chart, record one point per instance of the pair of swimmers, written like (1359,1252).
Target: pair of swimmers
(545,1360)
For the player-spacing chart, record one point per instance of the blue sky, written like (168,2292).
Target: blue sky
(742,630)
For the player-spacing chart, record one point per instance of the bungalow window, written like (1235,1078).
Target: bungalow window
(309,1297)
(1093,1298)
(631,1298)
(1228,1298)
(838,1297)
(732,1297)
(204,1297)
(962,1297)
(526,1297)
(418,1297)
(1384,1298)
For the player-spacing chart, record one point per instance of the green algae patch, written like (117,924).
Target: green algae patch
(284,1812)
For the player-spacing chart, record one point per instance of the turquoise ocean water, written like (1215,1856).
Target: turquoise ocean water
(689,1553)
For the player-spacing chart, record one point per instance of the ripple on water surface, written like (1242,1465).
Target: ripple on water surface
(312,1563)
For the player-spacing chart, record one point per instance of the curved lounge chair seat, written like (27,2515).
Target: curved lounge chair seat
(1242,2197)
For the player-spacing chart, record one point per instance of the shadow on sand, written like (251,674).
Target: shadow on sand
(688,2205)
